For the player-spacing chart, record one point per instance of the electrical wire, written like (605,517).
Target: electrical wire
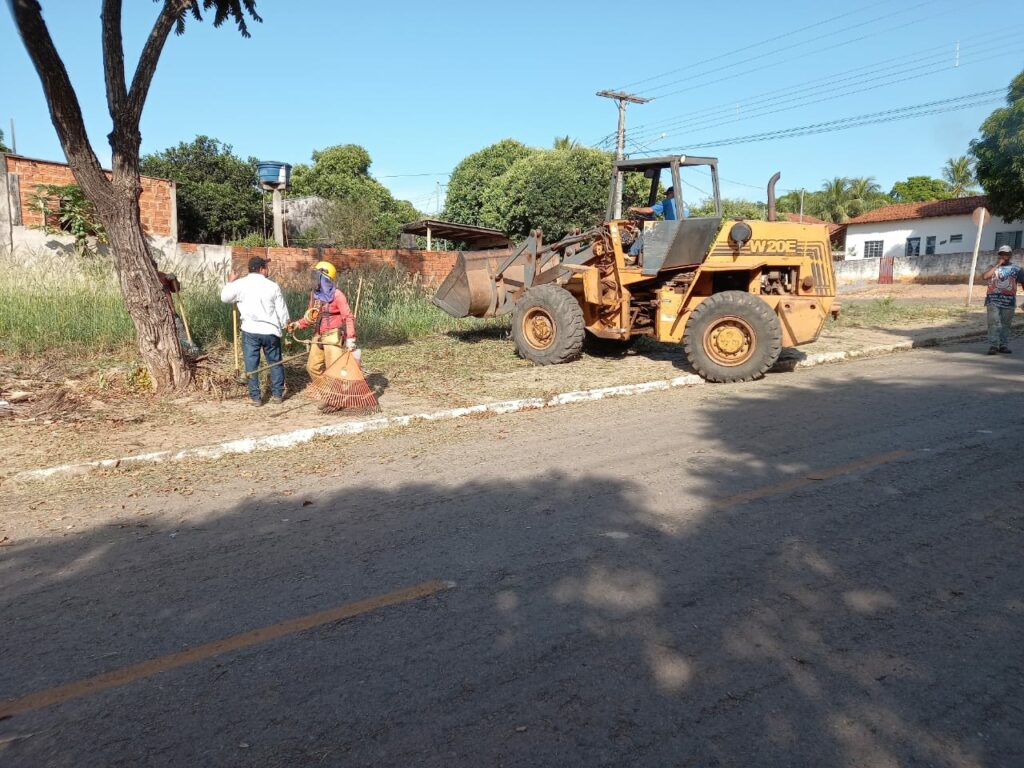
(921,57)
(799,102)
(766,41)
(857,121)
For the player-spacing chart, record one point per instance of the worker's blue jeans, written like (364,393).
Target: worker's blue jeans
(252,343)
(999,320)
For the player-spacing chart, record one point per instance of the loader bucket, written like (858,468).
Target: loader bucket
(469,288)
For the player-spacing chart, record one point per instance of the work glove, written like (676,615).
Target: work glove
(350,343)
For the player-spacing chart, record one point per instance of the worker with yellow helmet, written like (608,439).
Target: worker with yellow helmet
(330,316)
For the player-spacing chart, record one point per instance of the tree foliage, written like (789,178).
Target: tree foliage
(732,208)
(3,147)
(469,181)
(555,191)
(362,213)
(839,199)
(919,189)
(999,153)
(958,173)
(116,197)
(218,198)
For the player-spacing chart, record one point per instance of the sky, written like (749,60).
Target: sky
(421,86)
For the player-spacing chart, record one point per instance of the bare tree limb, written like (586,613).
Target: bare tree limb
(143,78)
(113,57)
(61,98)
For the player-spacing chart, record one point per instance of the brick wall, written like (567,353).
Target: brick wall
(156,201)
(292,264)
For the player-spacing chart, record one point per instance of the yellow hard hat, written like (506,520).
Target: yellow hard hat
(326,268)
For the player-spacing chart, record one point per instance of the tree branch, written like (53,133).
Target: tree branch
(143,78)
(113,57)
(65,110)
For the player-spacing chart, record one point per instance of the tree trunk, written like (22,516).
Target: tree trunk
(144,298)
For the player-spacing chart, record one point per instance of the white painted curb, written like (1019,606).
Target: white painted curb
(300,436)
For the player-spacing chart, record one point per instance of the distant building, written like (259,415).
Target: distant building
(927,229)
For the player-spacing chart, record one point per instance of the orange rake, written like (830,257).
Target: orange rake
(342,386)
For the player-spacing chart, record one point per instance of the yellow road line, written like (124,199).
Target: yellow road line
(125,675)
(808,478)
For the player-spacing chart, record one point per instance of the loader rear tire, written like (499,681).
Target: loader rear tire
(732,336)
(547,325)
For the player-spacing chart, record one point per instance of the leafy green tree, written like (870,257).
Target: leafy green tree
(918,189)
(217,194)
(865,195)
(3,147)
(555,191)
(341,175)
(835,201)
(565,142)
(958,173)
(999,153)
(117,198)
(474,174)
(732,208)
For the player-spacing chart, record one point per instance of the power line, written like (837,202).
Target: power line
(703,124)
(410,175)
(766,41)
(857,121)
(800,56)
(921,57)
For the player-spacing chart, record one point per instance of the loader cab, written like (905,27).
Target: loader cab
(669,244)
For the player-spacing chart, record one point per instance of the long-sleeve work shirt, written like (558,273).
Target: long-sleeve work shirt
(260,303)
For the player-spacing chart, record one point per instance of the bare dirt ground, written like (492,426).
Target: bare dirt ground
(913,292)
(88,410)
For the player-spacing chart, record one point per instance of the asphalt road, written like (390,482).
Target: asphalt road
(819,569)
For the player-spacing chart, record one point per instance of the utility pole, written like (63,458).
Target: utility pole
(620,145)
(14,139)
(801,206)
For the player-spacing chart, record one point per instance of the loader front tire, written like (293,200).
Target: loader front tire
(732,336)
(547,325)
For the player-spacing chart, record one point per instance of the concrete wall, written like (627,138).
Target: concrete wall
(894,235)
(950,268)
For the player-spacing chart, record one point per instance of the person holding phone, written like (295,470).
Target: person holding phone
(1001,299)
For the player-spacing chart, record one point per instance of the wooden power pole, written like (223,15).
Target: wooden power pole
(620,145)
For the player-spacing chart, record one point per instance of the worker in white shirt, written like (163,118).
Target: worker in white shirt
(264,317)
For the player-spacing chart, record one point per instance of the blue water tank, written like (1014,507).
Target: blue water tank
(274,175)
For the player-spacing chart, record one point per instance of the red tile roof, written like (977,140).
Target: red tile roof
(903,211)
(808,219)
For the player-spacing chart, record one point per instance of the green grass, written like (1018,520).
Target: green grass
(892,313)
(78,306)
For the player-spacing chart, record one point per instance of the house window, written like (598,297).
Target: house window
(1011,239)
(873,249)
(956,238)
(913,246)
(929,246)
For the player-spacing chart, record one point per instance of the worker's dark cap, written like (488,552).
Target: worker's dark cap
(670,191)
(256,263)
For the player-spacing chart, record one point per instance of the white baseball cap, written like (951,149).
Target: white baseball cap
(1005,249)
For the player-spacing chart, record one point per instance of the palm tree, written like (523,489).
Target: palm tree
(835,200)
(864,194)
(565,142)
(959,175)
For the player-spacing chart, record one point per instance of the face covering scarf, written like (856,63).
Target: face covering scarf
(324,291)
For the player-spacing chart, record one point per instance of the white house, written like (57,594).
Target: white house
(925,229)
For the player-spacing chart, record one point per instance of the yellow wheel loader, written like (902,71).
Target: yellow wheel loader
(733,292)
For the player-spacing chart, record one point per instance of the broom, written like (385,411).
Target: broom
(342,385)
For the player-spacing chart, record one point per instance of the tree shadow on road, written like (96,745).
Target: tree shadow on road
(862,620)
